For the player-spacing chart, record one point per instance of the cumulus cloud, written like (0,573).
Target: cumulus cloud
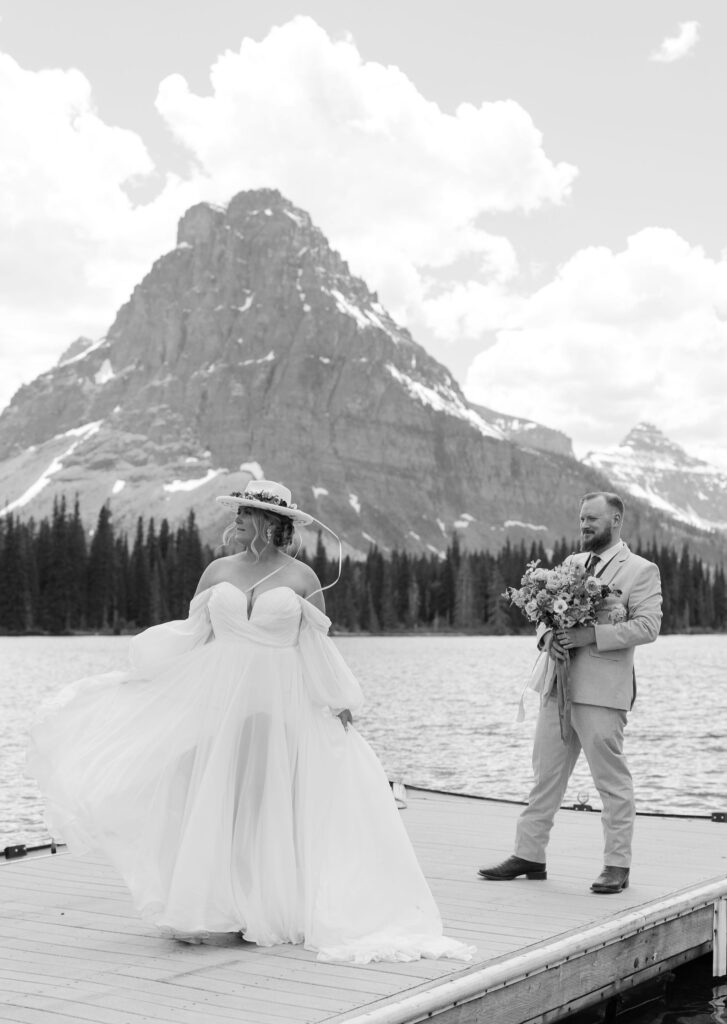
(616,338)
(72,244)
(395,182)
(675,47)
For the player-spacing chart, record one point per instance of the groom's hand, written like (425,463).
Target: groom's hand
(577,636)
(553,648)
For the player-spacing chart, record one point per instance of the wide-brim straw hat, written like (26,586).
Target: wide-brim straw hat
(269,496)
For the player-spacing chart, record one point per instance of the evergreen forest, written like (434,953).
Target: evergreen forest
(56,579)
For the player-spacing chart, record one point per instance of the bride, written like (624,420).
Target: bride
(222,774)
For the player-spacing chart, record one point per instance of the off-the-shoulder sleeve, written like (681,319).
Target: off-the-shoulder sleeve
(328,679)
(154,649)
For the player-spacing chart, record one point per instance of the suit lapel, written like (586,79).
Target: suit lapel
(614,565)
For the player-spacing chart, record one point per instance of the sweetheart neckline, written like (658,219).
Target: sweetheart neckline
(250,607)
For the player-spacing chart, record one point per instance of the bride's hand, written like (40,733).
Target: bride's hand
(346,718)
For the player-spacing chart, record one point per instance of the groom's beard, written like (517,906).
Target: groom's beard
(600,539)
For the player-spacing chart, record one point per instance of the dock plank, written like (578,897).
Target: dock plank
(73,949)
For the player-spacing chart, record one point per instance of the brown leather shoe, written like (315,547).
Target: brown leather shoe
(611,879)
(513,867)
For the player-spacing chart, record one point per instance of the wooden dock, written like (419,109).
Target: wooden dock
(72,949)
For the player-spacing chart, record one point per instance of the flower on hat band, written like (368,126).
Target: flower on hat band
(265,496)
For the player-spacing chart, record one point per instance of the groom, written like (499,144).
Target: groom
(602,687)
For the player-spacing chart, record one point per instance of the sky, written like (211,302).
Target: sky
(535,190)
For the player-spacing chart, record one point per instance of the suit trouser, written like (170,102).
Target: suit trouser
(599,733)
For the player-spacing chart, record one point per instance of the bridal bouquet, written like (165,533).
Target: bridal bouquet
(565,596)
(561,598)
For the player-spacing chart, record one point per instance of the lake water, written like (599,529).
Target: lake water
(440,713)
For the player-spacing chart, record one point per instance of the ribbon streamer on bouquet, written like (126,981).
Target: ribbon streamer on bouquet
(562,676)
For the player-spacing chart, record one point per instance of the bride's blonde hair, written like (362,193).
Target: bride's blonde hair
(281,527)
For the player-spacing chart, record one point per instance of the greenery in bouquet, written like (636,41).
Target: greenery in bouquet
(565,596)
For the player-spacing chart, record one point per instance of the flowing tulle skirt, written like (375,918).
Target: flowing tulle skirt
(230,802)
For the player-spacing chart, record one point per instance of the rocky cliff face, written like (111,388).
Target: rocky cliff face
(250,350)
(528,433)
(651,467)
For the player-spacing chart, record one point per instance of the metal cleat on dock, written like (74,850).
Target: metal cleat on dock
(11,852)
(582,804)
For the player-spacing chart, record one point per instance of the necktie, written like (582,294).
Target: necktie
(592,564)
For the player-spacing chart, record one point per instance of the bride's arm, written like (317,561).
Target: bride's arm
(310,587)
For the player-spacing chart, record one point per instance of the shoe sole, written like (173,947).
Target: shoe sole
(606,891)
(535,876)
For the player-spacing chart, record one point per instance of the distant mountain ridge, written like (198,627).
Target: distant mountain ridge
(250,350)
(649,466)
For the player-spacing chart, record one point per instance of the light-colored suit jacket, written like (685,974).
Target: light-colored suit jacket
(603,673)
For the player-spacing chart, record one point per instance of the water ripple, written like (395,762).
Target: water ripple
(440,713)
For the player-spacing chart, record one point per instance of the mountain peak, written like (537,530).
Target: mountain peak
(251,349)
(649,465)
(647,438)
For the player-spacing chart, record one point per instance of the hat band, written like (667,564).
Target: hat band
(265,496)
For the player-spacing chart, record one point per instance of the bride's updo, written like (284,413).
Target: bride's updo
(273,515)
(269,527)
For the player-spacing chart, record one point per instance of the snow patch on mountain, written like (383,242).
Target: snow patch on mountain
(73,355)
(524,526)
(297,218)
(81,434)
(191,485)
(263,359)
(443,399)
(105,372)
(366,318)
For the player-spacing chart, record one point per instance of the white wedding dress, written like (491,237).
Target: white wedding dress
(217,778)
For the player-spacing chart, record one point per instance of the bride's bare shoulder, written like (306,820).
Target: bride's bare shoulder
(218,571)
(302,574)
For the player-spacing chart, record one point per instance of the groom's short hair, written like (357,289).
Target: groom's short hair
(611,499)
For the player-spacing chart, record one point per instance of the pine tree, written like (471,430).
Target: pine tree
(43,558)
(101,582)
(77,558)
(190,563)
(374,582)
(139,582)
(56,593)
(389,619)
(498,615)
(464,603)
(319,563)
(16,613)
(122,562)
(719,600)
